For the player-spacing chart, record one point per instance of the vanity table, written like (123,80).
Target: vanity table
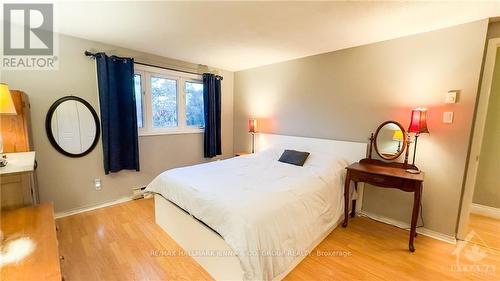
(18,185)
(386,174)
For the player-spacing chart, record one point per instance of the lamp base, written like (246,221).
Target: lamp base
(413,171)
(3,160)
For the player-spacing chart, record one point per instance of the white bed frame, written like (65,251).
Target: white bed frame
(193,236)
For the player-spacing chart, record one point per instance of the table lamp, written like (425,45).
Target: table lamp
(418,125)
(398,136)
(6,108)
(252,129)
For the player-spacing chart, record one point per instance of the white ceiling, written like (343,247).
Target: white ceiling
(241,35)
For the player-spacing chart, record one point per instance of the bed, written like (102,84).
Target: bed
(253,217)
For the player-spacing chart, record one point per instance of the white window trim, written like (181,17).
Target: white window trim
(146,72)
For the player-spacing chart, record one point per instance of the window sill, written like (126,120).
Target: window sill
(172,132)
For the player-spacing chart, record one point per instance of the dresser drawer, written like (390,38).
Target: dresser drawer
(15,191)
(11,179)
(379,180)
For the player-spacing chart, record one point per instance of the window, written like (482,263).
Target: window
(164,102)
(138,98)
(194,104)
(168,102)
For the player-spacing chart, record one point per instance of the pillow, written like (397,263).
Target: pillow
(294,157)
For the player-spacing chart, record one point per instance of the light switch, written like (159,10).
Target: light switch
(448,117)
(451,97)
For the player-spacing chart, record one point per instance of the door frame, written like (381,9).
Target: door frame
(477,137)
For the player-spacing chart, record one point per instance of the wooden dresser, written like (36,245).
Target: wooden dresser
(18,185)
(36,223)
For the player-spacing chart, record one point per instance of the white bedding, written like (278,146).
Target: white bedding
(267,211)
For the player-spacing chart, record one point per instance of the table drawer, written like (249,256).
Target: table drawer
(383,181)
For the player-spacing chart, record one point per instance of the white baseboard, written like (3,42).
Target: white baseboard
(92,207)
(406,226)
(484,210)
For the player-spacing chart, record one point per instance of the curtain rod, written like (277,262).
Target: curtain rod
(90,54)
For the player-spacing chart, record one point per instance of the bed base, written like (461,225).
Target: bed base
(195,237)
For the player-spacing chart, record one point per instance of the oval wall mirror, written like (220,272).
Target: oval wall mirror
(390,140)
(72,126)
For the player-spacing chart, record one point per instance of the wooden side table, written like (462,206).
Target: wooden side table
(385,175)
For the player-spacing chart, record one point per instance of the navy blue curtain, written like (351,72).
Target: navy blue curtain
(212,108)
(120,147)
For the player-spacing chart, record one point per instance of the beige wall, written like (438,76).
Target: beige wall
(68,182)
(346,94)
(487,189)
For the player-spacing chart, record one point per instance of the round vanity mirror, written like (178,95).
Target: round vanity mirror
(72,126)
(390,140)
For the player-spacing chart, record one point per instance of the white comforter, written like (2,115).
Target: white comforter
(268,212)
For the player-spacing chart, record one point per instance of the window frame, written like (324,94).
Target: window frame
(146,73)
(143,93)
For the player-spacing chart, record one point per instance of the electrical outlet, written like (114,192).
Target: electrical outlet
(97,184)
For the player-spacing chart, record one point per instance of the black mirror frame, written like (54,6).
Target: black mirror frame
(48,126)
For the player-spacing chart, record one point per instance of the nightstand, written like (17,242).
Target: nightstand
(385,175)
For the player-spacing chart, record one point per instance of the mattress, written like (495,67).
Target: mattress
(268,212)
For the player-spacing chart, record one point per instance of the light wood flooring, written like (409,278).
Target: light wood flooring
(116,242)
(487,230)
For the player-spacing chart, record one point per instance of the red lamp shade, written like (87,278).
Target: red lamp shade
(252,126)
(418,122)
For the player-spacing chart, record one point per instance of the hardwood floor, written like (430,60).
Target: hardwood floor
(116,242)
(487,229)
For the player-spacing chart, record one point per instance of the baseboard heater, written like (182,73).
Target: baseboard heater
(138,192)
